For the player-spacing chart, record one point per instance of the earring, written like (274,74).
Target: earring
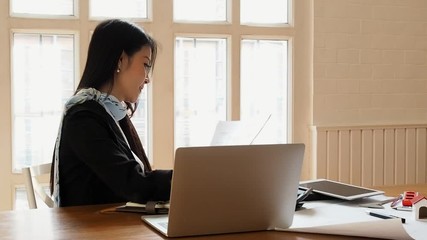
(118,70)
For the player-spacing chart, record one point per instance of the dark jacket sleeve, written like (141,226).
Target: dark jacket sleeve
(96,141)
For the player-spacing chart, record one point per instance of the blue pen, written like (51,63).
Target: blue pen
(384,216)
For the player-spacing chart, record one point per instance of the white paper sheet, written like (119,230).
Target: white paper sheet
(238,132)
(347,218)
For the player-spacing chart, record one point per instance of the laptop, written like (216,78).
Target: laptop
(226,189)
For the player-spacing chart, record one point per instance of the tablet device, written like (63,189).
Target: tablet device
(339,190)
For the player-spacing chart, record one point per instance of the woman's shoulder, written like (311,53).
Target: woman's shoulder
(90,107)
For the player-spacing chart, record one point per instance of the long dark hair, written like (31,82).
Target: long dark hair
(109,40)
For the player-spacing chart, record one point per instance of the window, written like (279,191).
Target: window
(133,9)
(43,79)
(200,11)
(201,95)
(140,119)
(264,85)
(264,12)
(200,89)
(43,7)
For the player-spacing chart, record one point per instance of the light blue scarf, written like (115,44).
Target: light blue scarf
(113,107)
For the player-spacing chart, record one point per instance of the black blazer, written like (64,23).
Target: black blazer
(96,165)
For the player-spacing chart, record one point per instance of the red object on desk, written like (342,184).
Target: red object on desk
(407,198)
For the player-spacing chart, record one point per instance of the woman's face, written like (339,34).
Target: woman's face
(133,75)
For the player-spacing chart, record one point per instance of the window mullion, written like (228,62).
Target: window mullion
(162,97)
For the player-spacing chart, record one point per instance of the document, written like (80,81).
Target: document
(347,218)
(238,132)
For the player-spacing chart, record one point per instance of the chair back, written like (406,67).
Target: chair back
(33,186)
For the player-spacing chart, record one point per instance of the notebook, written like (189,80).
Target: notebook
(225,189)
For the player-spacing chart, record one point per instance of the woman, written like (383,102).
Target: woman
(98,156)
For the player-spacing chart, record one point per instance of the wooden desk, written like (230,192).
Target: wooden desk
(87,222)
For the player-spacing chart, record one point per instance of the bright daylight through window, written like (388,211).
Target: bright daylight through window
(43,7)
(36,107)
(207,11)
(130,9)
(200,89)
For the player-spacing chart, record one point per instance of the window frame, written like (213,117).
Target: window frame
(75,16)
